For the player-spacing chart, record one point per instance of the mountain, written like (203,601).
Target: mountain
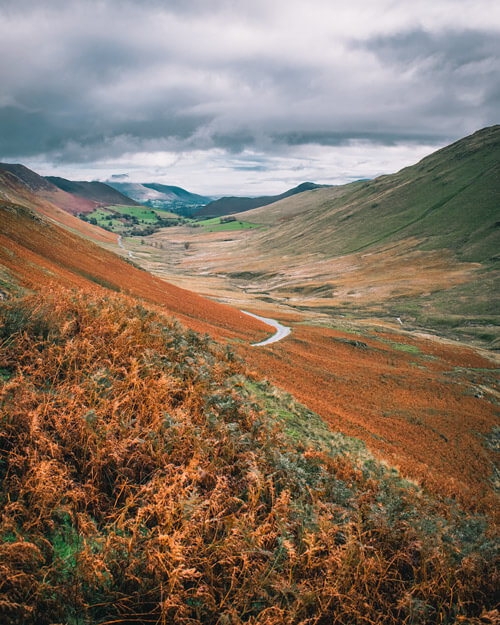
(45,190)
(231,205)
(420,247)
(149,474)
(99,193)
(31,191)
(162,197)
(449,199)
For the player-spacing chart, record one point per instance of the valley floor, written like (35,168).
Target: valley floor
(426,405)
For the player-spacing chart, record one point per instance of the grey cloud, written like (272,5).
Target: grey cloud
(346,136)
(458,69)
(448,50)
(84,86)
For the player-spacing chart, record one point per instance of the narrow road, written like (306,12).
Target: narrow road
(281,330)
(123,247)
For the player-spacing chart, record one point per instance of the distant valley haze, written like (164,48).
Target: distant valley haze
(242,98)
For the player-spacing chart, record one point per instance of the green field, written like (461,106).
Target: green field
(143,212)
(218,224)
(138,220)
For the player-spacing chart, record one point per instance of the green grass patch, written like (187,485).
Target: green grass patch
(301,424)
(140,212)
(402,347)
(132,220)
(219,224)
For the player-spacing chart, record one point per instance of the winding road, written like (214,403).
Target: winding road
(123,247)
(281,330)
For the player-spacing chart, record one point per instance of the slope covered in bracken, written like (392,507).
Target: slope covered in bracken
(44,190)
(15,190)
(145,479)
(148,475)
(36,253)
(427,407)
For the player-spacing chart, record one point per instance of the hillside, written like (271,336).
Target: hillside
(420,246)
(43,189)
(36,252)
(98,192)
(149,474)
(14,190)
(178,193)
(449,200)
(146,478)
(231,205)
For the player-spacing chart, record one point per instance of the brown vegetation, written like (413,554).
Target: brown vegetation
(141,484)
(412,408)
(13,191)
(39,254)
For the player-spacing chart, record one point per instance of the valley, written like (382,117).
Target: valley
(392,337)
(420,401)
(313,382)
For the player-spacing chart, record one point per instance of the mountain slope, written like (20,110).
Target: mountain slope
(147,476)
(450,200)
(98,192)
(146,479)
(36,252)
(46,190)
(16,191)
(418,248)
(230,205)
(177,193)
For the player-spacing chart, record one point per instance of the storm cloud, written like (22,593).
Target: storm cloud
(244,86)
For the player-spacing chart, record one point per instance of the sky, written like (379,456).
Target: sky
(242,96)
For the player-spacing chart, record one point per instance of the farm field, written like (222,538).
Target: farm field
(131,219)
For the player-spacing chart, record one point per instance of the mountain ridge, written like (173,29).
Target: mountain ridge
(449,198)
(45,190)
(235,204)
(100,193)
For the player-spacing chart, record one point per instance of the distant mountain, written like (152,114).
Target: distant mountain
(98,192)
(230,205)
(162,197)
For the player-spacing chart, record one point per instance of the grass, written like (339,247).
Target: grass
(429,201)
(221,224)
(141,212)
(147,477)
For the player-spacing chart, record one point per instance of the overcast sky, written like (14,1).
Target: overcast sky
(242,96)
